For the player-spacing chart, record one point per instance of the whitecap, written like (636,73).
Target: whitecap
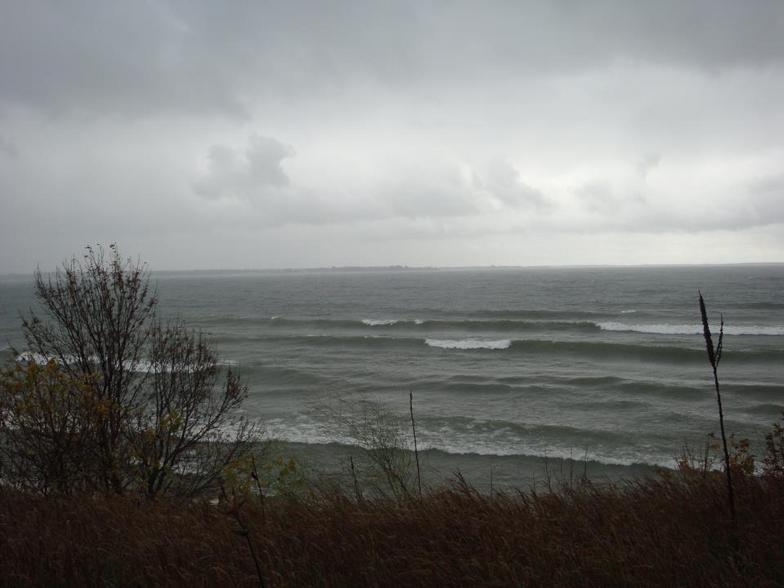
(378,322)
(692,329)
(140,366)
(469,343)
(31,357)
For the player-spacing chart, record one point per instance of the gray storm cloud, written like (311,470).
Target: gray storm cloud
(254,176)
(8,148)
(206,134)
(249,174)
(189,57)
(503,182)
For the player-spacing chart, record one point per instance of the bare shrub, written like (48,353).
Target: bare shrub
(183,423)
(388,463)
(132,402)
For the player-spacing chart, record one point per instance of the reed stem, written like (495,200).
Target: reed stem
(416,450)
(714,357)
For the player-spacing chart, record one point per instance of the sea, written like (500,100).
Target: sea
(517,375)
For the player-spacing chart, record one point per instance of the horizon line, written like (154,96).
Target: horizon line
(404,267)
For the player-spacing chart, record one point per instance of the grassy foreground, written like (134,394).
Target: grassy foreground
(673,530)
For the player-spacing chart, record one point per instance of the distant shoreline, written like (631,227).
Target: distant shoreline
(408,268)
(14,276)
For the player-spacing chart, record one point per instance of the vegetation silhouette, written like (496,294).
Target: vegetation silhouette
(109,397)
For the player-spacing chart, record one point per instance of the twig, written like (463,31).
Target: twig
(547,472)
(357,491)
(585,466)
(234,512)
(416,450)
(254,473)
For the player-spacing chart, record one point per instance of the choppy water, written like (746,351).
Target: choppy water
(606,363)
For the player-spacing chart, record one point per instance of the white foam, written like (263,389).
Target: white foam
(304,430)
(469,343)
(378,322)
(448,441)
(418,322)
(629,311)
(480,447)
(29,357)
(140,367)
(693,329)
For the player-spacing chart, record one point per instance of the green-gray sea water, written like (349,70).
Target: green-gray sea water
(507,366)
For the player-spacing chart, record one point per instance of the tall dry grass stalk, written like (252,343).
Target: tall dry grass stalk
(233,509)
(714,357)
(416,450)
(357,491)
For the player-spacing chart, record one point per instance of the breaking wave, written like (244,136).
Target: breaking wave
(378,322)
(469,343)
(691,329)
(506,324)
(420,324)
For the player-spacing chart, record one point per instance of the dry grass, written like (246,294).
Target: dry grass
(674,530)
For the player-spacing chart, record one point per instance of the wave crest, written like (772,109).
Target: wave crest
(694,329)
(469,343)
(379,322)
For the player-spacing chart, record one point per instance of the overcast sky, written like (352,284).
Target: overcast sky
(284,134)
